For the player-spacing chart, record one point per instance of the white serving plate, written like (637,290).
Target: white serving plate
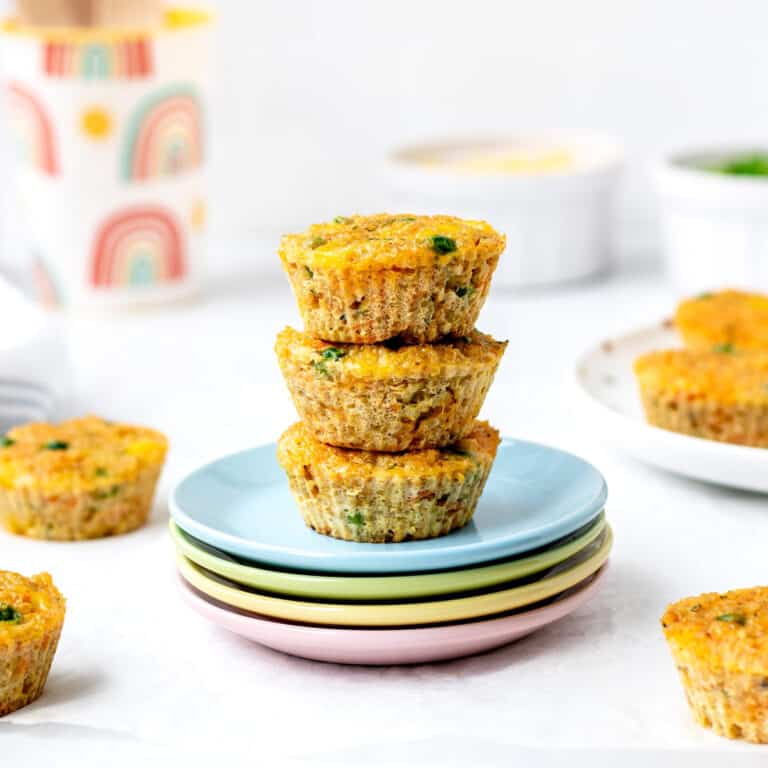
(607,393)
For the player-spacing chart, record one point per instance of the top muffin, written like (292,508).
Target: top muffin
(384,241)
(728,321)
(366,279)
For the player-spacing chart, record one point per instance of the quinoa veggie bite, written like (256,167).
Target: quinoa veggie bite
(719,643)
(366,279)
(31,618)
(732,321)
(714,395)
(386,398)
(382,497)
(81,479)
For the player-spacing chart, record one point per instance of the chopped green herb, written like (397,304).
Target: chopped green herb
(106,493)
(331,353)
(746,165)
(407,218)
(342,220)
(310,273)
(317,242)
(725,349)
(696,608)
(356,519)
(101,472)
(458,451)
(6,442)
(443,244)
(733,618)
(464,290)
(56,445)
(705,295)
(9,613)
(320,368)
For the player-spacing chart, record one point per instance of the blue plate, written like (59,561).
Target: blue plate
(242,505)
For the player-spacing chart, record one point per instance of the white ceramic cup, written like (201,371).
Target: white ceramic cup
(714,225)
(558,222)
(110,128)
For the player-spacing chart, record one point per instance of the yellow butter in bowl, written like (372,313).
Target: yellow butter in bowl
(514,161)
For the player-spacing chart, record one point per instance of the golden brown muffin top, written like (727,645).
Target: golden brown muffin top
(451,357)
(297,448)
(84,454)
(732,320)
(699,375)
(725,630)
(29,607)
(390,241)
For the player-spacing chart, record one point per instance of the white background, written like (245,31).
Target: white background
(311,94)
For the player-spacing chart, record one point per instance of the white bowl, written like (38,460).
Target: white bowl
(714,225)
(557,221)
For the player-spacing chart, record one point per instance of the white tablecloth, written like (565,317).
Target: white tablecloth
(140,679)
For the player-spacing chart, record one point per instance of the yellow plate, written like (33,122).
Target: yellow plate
(367,589)
(560,578)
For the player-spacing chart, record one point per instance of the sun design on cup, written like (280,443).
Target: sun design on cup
(96,123)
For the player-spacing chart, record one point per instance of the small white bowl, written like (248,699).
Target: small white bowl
(714,224)
(557,217)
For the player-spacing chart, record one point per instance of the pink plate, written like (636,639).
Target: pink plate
(389,646)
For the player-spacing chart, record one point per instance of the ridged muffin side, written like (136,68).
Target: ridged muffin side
(366,279)
(735,321)
(81,479)
(713,395)
(31,618)
(379,398)
(385,497)
(719,643)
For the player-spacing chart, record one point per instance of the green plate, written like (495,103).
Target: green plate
(447,608)
(365,588)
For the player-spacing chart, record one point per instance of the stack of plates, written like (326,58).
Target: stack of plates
(535,551)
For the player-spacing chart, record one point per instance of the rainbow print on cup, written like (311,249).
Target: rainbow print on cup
(32,129)
(111,130)
(126,58)
(138,246)
(165,135)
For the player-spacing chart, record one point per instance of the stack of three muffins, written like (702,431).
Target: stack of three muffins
(389,375)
